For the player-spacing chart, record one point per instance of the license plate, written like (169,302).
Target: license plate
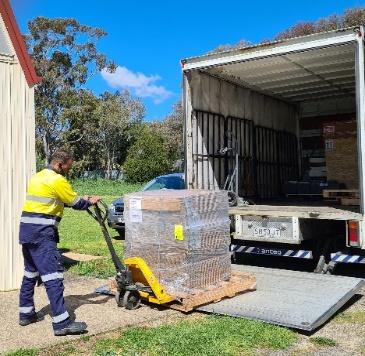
(121,220)
(266,232)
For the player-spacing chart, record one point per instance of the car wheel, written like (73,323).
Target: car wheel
(120,235)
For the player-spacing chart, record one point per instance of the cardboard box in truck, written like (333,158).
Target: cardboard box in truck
(341,153)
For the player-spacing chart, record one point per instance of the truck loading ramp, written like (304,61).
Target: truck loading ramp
(298,300)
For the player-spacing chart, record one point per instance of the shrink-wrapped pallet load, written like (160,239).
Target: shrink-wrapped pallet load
(183,235)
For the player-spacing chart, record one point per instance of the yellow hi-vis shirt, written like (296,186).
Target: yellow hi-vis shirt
(48,192)
(47,195)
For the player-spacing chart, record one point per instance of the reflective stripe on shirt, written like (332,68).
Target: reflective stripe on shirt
(44,200)
(38,221)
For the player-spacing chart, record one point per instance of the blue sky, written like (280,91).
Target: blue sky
(147,39)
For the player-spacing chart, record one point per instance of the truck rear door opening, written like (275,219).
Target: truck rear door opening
(290,116)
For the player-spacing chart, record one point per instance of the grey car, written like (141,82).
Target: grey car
(116,208)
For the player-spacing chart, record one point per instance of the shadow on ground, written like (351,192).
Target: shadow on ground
(73,302)
(68,262)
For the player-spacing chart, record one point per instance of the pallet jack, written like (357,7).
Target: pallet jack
(135,281)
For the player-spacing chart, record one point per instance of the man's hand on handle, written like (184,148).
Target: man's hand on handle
(93,199)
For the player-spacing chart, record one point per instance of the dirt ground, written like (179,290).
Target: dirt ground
(99,312)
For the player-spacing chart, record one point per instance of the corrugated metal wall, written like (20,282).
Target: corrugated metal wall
(17,163)
(208,93)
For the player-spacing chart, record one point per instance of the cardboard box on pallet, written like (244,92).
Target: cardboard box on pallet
(341,153)
(183,235)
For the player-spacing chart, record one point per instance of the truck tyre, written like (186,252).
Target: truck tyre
(121,234)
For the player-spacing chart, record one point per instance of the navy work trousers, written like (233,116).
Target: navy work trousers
(43,259)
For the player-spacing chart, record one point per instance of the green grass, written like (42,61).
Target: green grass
(85,338)
(213,335)
(323,341)
(103,187)
(23,352)
(362,350)
(351,317)
(68,350)
(80,233)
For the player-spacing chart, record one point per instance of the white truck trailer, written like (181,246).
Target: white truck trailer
(267,109)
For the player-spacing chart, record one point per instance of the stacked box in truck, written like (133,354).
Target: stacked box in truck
(273,106)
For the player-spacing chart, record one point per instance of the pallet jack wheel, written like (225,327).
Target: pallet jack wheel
(131,300)
(118,299)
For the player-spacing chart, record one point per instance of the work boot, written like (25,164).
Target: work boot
(73,329)
(33,319)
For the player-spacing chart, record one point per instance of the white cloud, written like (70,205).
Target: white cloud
(138,83)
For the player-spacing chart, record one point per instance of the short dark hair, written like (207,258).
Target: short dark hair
(62,156)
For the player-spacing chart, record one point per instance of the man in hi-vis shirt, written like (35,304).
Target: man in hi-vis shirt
(48,193)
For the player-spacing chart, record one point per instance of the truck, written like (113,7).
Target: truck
(284,122)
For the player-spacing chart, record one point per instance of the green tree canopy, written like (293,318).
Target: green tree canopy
(65,55)
(147,157)
(117,115)
(79,137)
(350,17)
(171,130)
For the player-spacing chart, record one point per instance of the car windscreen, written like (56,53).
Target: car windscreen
(165,183)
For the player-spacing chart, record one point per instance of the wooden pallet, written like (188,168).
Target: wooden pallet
(240,282)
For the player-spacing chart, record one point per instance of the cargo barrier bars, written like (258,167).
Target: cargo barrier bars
(266,157)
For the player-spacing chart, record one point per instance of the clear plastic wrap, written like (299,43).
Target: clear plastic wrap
(183,235)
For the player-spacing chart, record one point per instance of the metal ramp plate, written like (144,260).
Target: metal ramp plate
(298,300)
